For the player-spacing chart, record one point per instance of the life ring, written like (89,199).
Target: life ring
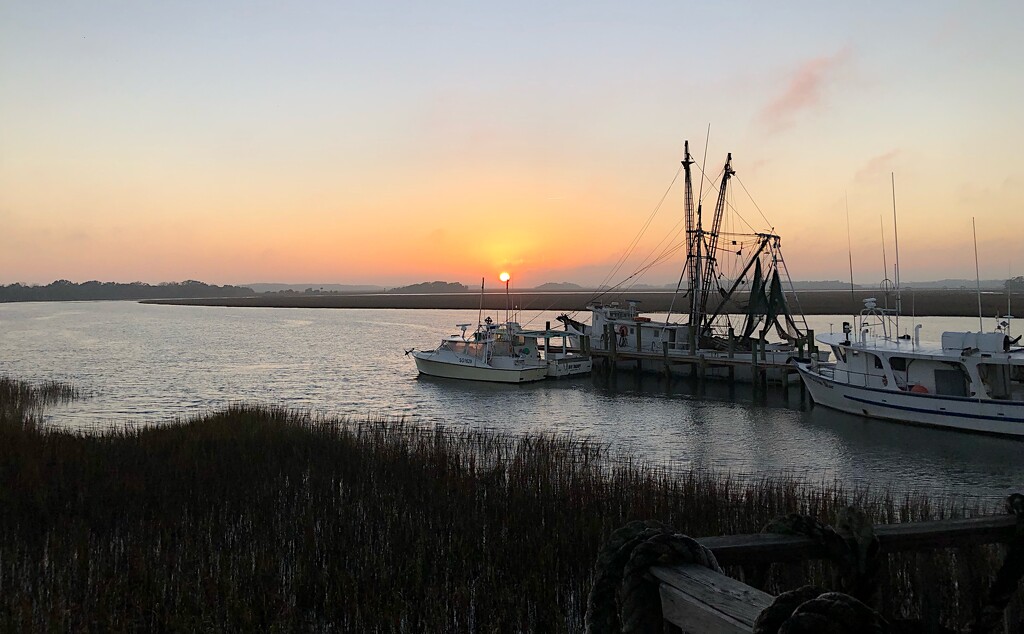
(623,331)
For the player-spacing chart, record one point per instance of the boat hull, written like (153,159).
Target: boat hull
(467,372)
(987,416)
(562,367)
(742,372)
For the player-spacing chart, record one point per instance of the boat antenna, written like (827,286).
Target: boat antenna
(849,246)
(896,234)
(703,164)
(885,264)
(480,313)
(977,274)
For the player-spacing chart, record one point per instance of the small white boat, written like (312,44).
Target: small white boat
(502,354)
(970,381)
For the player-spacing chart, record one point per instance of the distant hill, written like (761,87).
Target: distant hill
(265,287)
(431,287)
(64,290)
(823,285)
(988,285)
(558,286)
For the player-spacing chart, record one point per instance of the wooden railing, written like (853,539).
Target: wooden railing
(696,599)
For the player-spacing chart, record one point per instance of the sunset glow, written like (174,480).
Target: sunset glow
(237,143)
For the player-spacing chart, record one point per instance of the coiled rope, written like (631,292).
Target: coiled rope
(625,599)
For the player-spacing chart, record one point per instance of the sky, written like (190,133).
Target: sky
(392,143)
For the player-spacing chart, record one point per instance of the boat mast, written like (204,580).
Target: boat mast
(977,275)
(896,234)
(698,242)
(710,265)
(692,230)
(480,313)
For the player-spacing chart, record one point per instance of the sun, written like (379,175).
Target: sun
(504,277)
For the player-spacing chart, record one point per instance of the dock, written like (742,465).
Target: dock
(697,364)
(695,598)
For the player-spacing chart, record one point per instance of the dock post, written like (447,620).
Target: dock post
(613,345)
(664,359)
(547,339)
(764,364)
(755,376)
(732,354)
(812,348)
(639,348)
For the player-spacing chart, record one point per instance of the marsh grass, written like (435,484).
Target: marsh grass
(258,518)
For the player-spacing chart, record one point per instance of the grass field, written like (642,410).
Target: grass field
(263,519)
(923,303)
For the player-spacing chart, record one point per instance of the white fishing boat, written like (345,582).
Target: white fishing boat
(501,353)
(731,336)
(969,381)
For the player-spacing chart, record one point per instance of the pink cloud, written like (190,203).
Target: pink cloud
(876,166)
(804,90)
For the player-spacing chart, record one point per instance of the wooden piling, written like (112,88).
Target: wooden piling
(732,353)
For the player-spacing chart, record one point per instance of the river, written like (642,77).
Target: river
(152,364)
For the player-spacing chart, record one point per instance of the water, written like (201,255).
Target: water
(152,364)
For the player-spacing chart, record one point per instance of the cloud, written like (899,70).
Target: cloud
(804,90)
(876,166)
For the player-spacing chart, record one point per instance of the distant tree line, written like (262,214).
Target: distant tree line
(64,290)
(431,287)
(1015,283)
(308,291)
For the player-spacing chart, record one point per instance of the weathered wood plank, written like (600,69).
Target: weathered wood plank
(697,599)
(762,548)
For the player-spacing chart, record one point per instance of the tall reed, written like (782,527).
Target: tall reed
(260,518)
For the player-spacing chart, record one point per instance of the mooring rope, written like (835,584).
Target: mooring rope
(625,599)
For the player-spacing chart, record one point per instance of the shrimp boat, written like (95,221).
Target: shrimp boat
(748,310)
(968,381)
(502,353)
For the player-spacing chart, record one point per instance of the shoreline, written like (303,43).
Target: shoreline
(921,303)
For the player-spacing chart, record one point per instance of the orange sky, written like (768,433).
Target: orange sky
(237,144)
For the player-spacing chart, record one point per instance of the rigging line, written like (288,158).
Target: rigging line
(661,258)
(712,187)
(632,245)
(671,248)
(796,296)
(740,216)
(666,237)
(635,274)
(700,166)
(766,221)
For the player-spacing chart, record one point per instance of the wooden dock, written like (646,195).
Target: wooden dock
(697,599)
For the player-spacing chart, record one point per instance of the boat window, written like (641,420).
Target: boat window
(898,363)
(839,352)
(469,348)
(996,378)
(878,362)
(951,382)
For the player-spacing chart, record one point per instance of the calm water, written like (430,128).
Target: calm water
(152,364)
